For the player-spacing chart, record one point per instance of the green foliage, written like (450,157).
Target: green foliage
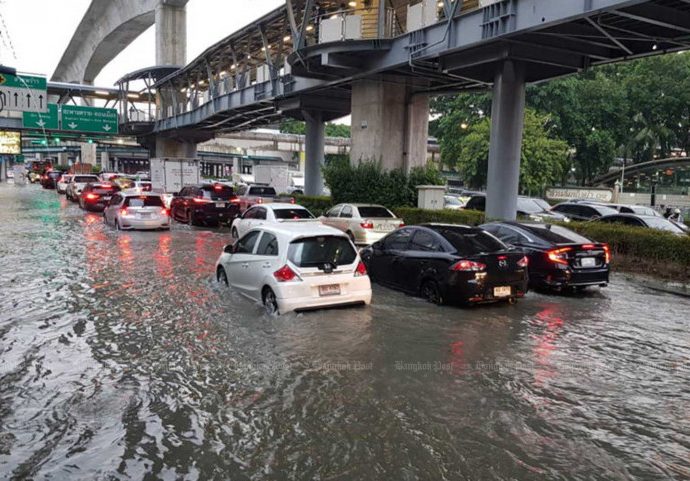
(61,168)
(317,205)
(544,158)
(368,182)
(291,126)
(413,216)
(96,169)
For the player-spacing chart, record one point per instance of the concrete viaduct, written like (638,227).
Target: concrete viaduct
(380,61)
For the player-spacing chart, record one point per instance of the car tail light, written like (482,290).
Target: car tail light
(200,200)
(284,274)
(218,187)
(524,262)
(367,224)
(607,253)
(292,200)
(468,266)
(361,270)
(235,200)
(401,225)
(558,255)
(260,201)
(165,212)
(588,247)
(123,212)
(92,196)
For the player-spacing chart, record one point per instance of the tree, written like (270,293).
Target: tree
(291,126)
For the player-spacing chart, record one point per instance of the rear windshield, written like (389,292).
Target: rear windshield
(662,224)
(218,192)
(103,189)
(85,179)
(145,186)
(262,191)
(54,174)
(317,251)
(292,214)
(556,234)
(374,212)
(472,241)
(144,201)
(529,206)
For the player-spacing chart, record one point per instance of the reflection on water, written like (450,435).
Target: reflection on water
(123,359)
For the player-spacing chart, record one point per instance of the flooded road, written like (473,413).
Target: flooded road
(121,358)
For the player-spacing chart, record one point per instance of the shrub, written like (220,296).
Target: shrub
(317,205)
(367,182)
(413,216)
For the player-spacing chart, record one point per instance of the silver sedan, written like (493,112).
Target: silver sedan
(363,223)
(137,210)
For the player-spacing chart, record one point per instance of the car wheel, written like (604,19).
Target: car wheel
(431,292)
(222,277)
(270,301)
(117,225)
(234,233)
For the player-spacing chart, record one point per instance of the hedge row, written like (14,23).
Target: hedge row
(413,216)
(317,204)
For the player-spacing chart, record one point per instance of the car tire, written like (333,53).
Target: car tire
(117,225)
(234,233)
(431,292)
(270,302)
(190,218)
(222,276)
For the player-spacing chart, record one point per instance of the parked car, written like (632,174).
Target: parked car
(295,267)
(207,204)
(136,210)
(363,223)
(269,214)
(78,183)
(50,179)
(451,202)
(530,207)
(63,183)
(250,195)
(96,195)
(629,209)
(648,221)
(582,211)
(558,257)
(448,264)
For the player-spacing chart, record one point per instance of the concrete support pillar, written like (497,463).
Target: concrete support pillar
(389,123)
(171,34)
(105,160)
(63,158)
(507,122)
(314,150)
(166,147)
(88,154)
(236,169)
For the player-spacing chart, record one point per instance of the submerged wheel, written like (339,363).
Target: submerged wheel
(270,301)
(222,276)
(190,218)
(431,292)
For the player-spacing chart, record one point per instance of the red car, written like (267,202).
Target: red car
(207,204)
(96,195)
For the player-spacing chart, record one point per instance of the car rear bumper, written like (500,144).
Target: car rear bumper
(565,278)
(220,217)
(478,291)
(312,302)
(145,224)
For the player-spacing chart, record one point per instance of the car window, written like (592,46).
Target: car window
(241,190)
(424,241)
(144,201)
(246,244)
(268,245)
(398,240)
(472,241)
(346,212)
(102,189)
(476,203)
(374,211)
(83,179)
(249,213)
(663,224)
(506,234)
(115,200)
(556,234)
(217,192)
(292,214)
(260,213)
(321,250)
(262,191)
(334,211)
(528,206)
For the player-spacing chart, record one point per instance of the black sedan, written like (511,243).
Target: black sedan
(448,264)
(96,195)
(50,179)
(558,257)
(647,221)
(205,204)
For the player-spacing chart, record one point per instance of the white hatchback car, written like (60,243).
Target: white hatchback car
(270,214)
(63,183)
(295,267)
(136,210)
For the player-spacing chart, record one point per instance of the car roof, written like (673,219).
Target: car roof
(301,230)
(135,193)
(362,205)
(632,216)
(279,205)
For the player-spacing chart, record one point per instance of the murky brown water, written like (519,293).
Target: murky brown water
(121,358)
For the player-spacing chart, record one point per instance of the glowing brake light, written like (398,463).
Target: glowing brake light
(402,224)
(92,196)
(558,255)
(468,266)
(588,247)
(235,200)
(361,270)
(165,212)
(524,262)
(285,274)
(218,187)
(607,253)
(200,200)
(367,224)
(123,212)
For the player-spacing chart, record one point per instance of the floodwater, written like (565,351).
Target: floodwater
(122,358)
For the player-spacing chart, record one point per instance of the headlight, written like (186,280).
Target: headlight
(566,219)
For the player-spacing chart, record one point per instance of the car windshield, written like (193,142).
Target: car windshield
(663,224)
(472,241)
(556,234)
(542,203)
(262,191)
(317,251)
(84,179)
(218,192)
(292,214)
(452,200)
(375,211)
(144,201)
(528,206)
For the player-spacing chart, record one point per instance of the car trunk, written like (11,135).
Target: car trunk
(501,267)
(582,256)
(383,224)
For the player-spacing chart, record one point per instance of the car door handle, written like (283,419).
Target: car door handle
(266,265)
(245,265)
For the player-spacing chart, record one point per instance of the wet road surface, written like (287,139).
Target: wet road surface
(121,358)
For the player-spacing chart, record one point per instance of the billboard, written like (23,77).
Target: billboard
(579,193)
(10,142)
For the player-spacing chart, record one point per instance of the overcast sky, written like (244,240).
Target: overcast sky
(40,31)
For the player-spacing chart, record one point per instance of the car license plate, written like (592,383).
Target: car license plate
(588,262)
(144,216)
(503,291)
(384,227)
(220,205)
(329,290)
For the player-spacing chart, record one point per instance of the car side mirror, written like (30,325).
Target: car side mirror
(229,249)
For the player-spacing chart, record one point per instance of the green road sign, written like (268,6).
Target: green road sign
(25,93)
(76,118)
(42,121)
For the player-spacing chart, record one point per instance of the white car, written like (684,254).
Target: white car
(363,223)
(63,183)
(269,214)
(77,184)
(136,210)
(293,267)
